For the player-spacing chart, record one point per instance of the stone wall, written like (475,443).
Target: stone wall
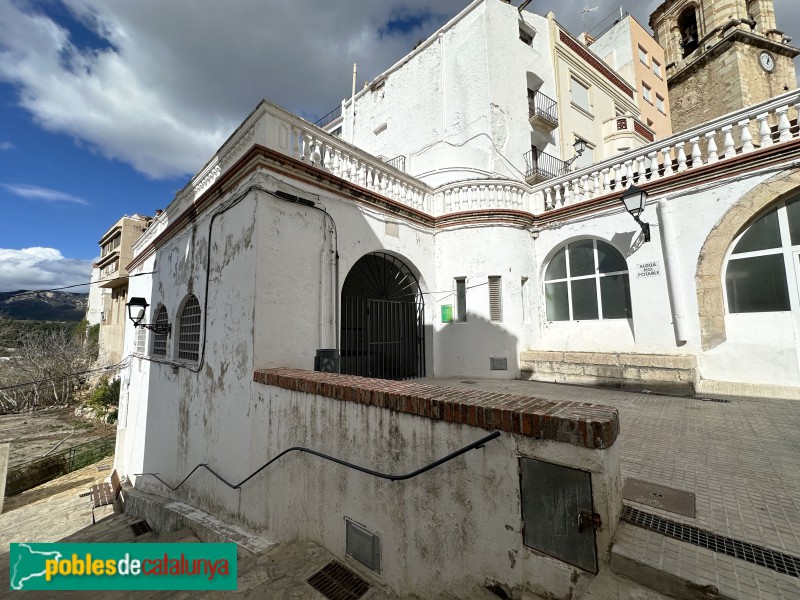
(657,372)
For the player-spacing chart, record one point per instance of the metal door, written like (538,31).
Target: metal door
(557,512)
(382,320)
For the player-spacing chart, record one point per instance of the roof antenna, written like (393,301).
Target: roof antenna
(585,12)
(523,5)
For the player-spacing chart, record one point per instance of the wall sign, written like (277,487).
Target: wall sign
(447,313)
(648,269)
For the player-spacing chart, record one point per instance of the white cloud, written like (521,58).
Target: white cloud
(41,268)
(6,146)
(175,78)
(32,192)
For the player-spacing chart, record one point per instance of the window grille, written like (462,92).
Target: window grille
(141,340)
(189,333)
(160,339)
(495,299)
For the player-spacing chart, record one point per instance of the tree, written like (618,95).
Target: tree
(47,363)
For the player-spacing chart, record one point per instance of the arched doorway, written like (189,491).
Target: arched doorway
(383,320)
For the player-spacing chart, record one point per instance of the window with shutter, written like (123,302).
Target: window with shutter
(495,299)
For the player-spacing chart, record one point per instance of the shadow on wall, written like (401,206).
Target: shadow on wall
(473,347)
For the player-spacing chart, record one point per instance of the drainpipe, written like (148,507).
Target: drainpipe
(669,250)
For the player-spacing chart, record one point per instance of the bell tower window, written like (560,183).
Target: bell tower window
(687,25)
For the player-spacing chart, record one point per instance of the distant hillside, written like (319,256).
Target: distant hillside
(43,306)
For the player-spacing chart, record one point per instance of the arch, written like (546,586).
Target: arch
(586,278)
(189,324)
(710,261)
(382,319)
(689,29)
(160,340)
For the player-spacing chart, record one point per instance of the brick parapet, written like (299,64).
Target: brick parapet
(583,424)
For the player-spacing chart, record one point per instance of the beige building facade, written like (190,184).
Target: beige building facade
(635,55)
(597,105)
(115,254)
(721,55)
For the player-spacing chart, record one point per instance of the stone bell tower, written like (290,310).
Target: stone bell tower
(721,55)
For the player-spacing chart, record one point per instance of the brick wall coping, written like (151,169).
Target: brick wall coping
(578,423)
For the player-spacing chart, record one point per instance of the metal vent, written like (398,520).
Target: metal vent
(140,528)
(659,496)
(757,555)
(363,545)
(336,582)
(498,363)
(495,299)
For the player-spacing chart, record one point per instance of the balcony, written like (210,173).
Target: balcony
(329,118)
(625,133)
(541,166)
(542,111)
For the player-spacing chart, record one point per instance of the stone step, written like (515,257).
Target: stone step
(688,572)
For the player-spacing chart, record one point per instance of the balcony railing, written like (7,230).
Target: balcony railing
(542,110)
(540,166)
(398,162)
(330,117)
(732,135)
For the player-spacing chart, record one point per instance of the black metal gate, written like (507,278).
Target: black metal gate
(383,320)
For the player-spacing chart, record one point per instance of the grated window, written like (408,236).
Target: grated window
(495,299)
(461,299)
(160,339)
(189,335)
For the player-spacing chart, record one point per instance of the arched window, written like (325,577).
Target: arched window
(586,280)
(189,330)
(760,265)
(687,24)
(160,339)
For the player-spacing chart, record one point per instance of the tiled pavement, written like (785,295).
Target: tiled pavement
(741,458)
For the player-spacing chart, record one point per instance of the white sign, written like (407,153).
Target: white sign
(650,269)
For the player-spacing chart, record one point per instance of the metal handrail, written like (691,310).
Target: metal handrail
(330,117)
(398,162)
(473,446)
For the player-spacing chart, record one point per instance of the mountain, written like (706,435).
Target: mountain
(43,306)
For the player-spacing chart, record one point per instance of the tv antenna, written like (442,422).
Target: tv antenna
(586,11)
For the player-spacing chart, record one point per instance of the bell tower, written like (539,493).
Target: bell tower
(721,55)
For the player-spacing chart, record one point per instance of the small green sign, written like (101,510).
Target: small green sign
(447,313)
(128,566)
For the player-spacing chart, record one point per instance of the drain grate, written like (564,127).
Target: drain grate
(470,382)
(140,528)
(719,400)
(337,582)
(659,496)
(757,555)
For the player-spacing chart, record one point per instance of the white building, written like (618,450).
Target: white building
(292,240)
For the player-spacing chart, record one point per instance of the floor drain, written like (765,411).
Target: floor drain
(336,582)
(659,496)
(470,382)
(720,400)
(757,555)
(140,528)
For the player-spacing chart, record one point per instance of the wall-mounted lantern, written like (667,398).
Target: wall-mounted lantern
(137,307)
(634,199)
(580,147)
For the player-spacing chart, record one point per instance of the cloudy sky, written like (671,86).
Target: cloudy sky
(108,106)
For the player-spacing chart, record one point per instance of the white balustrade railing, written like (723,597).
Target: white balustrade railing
(460,196)
(688,150)
(278,129)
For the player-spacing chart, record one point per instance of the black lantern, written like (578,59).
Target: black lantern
(634,199)
(137,318)
(580,147)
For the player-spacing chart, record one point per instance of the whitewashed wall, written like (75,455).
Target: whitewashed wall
(457,108)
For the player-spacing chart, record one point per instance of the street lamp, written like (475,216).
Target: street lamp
(141,304)
(634,199)
(580,148)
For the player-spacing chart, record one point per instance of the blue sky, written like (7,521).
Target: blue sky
(107,107)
